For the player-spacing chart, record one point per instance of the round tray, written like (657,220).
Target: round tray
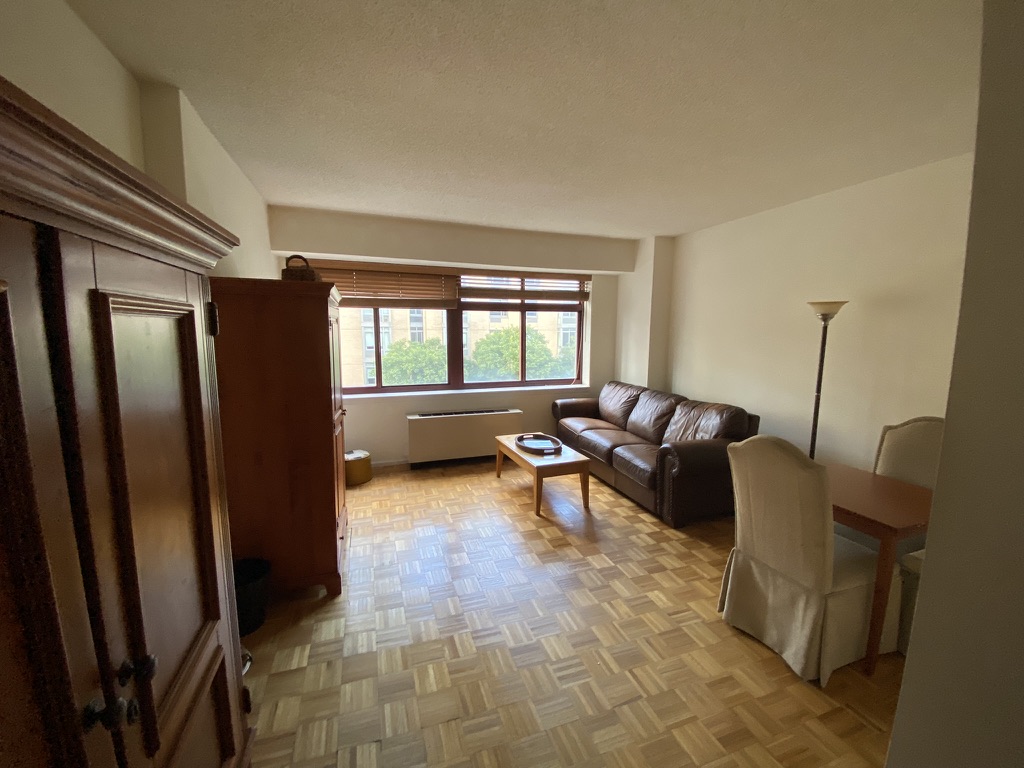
(539,443)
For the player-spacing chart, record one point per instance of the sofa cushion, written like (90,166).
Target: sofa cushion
(652,413)
(694,420)
(617,401)
(600,443)
(570,429)
(638,462)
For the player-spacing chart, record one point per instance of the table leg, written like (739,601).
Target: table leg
(585,487)
(497,461)
(880,601)
(538,491)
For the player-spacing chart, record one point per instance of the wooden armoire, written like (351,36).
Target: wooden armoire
(279,375)
(118,636)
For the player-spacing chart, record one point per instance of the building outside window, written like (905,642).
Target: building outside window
(416,325)
(567,329)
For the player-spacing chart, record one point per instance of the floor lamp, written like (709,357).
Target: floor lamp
(825,310)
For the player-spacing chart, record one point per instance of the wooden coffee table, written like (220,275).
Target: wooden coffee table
(568,462)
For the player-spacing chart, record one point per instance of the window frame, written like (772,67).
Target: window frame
(456,353)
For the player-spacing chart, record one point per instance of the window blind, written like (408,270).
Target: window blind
(397,285)
(422,290)
(527,288)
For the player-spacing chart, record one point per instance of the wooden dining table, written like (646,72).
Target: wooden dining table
(884,508)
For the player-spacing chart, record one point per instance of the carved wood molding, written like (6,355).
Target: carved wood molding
(47,163)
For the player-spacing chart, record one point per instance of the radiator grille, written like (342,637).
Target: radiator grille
(459,434)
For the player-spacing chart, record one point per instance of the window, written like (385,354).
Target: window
(547,357)
(515,329)
(493,350)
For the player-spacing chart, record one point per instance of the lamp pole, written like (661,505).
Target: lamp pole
(825,310)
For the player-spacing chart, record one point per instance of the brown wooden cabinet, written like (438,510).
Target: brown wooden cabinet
(282,418)
(120,644)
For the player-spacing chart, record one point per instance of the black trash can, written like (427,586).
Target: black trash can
(251,576)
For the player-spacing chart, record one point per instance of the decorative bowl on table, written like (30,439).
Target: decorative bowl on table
(539,443)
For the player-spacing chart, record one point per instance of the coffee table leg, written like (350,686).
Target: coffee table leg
(538,492)
(497,462)
(585,488)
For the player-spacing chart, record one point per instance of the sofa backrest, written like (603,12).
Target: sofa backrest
(616,402)
(696,420)
(652,413)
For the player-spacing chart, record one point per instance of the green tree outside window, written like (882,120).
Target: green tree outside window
(423,362)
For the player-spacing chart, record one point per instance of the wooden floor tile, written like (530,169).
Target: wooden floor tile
(472,634)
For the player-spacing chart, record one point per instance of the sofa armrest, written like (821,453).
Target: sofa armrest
(694,481)
(575,406)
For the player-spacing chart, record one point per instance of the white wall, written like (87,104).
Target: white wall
(742,332)
(377,423)
(962,701)
(48,52)
(602,320)
(303,230)
(161,135)
(633,333)
(644,315)
(659,372)
(219,188)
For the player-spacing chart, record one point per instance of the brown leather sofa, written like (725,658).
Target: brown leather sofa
(664,451)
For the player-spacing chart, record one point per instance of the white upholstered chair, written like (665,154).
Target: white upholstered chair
(908,451)
(790,581)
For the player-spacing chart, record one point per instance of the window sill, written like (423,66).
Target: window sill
(481,391)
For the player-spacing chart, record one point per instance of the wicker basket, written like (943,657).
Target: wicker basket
(299,271)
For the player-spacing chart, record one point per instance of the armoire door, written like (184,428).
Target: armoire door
(338,414)
(45,691)
(134,382)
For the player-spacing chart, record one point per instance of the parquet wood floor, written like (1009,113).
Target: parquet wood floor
(472,634)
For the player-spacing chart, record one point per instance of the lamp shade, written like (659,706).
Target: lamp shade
(826,308)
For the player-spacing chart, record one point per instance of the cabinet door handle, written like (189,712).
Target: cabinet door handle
(96,712)
(143,670)
(133,713)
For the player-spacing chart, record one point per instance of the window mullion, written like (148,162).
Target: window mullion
(579,346)
(376,348)
(522,346)
(456,361)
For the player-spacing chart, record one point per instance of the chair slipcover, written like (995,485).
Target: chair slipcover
(790,581)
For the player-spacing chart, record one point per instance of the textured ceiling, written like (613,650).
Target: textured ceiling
(626,118)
